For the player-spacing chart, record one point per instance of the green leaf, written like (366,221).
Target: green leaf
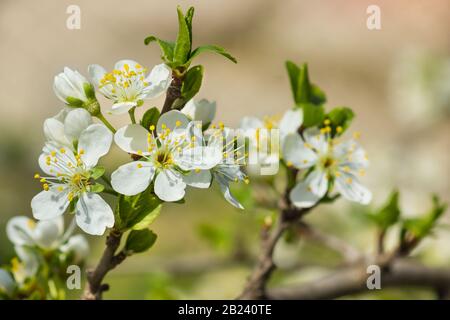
(313,115)
(132,210)
(150,117)
(96,188)
(148,219)
(211,48)
(293,72)
(340,117)
(389,213)
(191,85)
(167,48)
(182,48)
(140,240)
(188,18)
(421,227)
(97,172)
(302,89)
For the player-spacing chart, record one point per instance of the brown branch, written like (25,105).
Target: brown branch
(173,92)
(402,273)
(109,260)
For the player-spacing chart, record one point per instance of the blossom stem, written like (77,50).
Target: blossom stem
(132,116)
(106,122)
(173,92)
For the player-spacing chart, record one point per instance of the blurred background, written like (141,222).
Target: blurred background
(397,80)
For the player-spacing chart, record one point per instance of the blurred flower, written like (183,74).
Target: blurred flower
(69,180)
(127,85)
(331,162)
(166,156)
(7,283)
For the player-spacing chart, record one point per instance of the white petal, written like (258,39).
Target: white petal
(93,214)
(122,107)
(202,110)
(318,182)
(169,186)
(96,73)
(76,121)
(203,158)
(29,260)
(351,189)
(169,119)
(95,141)
(131,64)
(132,178)
(159,80)
(225,188)
(49,204)
(294,151)
(7,283)
(54,132)
(77,245)
(201,179)
(316,139)
(291,121)
(19,231)
(132,139)
(48,232)
(302,196)
(351,154)
(251,123)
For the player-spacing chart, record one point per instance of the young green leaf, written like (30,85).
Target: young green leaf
(211,48)
(389,214)
(96,188)
(167,48)
(188,18)
(131,210)
(150,118)
(182,48)
(89,90)
(140,240)
(421,227)
(340,117)
(293,72)
(303,90)
(191,85)
(313,115)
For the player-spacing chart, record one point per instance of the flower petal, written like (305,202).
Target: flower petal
(54,132)
(95,142)
(302,196)
(48,232)
(49,204)
(7,283)
(170,120)
(318,182)
(202,110)
(30,262)
(19,231)
(316,140)
(225,188)
(75,122)
(291,121)
(122,107)
(201,179)
(296,153)
(169,186)
(77,245)
(96,73)
(132,178)
(120,65)
(159,80)
(203,158)
(251,123)
(132,139)
(93,214)
(351,189)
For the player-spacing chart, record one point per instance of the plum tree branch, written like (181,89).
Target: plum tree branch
(353,281)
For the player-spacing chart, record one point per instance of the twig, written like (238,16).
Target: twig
(109,260)
(353,280)
(173,92)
